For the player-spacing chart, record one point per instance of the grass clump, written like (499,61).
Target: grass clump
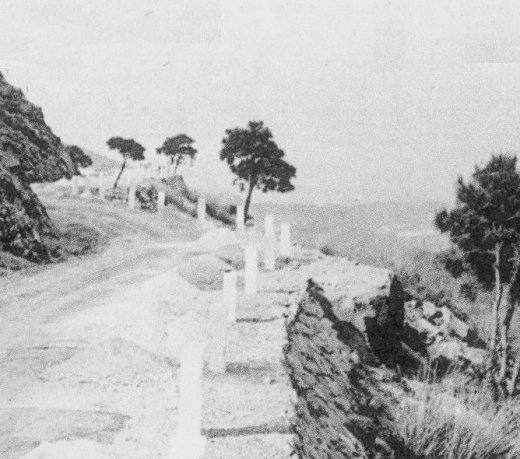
(459,419)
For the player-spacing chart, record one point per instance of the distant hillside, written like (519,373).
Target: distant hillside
(102,162)
(366,232)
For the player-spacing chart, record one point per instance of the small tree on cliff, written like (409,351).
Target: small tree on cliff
(256,160)
(129,149)
(78,156)
(178,149)
(485,226)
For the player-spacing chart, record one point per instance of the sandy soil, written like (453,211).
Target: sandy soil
(89,347)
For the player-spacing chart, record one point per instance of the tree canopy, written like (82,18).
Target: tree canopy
(78,156)
(129,149)
(256,160)
(178,149)
(485,226)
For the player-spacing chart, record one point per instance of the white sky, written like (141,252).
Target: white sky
(373,99)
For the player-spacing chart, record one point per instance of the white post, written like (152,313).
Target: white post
(201,208)
(229,295)
(101,185)
(188,442)
(131,197)
(251,269)
(217,349)
(161,200)
(270,254)
(285,240)
(75,188)
(269,226)
(239,223)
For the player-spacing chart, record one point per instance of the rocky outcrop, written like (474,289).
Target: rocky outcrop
(350,341)
(343,408)
(29,152)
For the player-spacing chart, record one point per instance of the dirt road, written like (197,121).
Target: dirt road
(88,347)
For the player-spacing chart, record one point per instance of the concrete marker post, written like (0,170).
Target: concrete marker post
(217,349)
(101,185)
(239,222)
(188,443)
(285,240)
(201,209)
(229,295)
(131,197)
(269,226)
(161,200)
(75,187)
(270,254)
(251,269)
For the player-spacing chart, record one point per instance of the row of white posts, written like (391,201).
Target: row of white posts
(188,442)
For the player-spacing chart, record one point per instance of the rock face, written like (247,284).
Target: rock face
(350,340)
(342,408)
(29,153)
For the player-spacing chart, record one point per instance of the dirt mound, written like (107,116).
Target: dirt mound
(214,239)
(233,254)
(115,361)
(79,449)
(204,271)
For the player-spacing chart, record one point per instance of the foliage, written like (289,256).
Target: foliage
(178,149)
(78,156)
(129,148)
(485,226)
(256,160)
(487,213)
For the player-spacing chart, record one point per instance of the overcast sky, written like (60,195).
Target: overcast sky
(369,99)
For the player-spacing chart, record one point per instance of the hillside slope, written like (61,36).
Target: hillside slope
(29,152)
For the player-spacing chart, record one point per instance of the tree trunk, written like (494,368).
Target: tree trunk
(512,297)
(252,185)
(496,304)
(120,173)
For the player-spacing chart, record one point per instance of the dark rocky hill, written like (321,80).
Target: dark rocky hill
(29,152)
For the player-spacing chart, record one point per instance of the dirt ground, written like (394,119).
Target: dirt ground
(89,347)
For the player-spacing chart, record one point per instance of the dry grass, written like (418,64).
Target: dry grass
(455,419)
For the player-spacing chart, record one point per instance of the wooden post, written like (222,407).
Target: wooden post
(201,208)
(251,269)
(188,442)
(239,222)
(285,240)
(229,295)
